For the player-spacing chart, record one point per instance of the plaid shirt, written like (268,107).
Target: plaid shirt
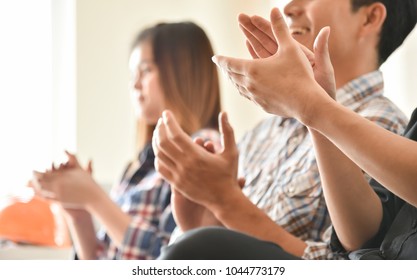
(282,178)
(145,196)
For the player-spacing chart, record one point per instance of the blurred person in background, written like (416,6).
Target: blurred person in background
(171,69)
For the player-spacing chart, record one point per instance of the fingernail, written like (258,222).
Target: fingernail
(214,59)
(165,117)
(226,119)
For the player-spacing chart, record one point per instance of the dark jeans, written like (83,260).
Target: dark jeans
(216,243)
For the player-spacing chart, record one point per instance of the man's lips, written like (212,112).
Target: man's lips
(296,30)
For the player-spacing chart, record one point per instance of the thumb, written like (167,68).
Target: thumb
(227,134)
(321,46)
(324,72)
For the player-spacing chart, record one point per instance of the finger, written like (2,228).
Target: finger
(166,160)
(237,79)
(165,152)
(321,47)
(230,64)
(175,133)
(256,45)
(163,147)
(199,141)
(164,170)
(227,134)
(209,146)
(251,42)
(280,28)
(38,176)
(68,153)
(309,54)
(178,193)
(38,193)
(61,166)
(244,20)
(243,91)
(251,50)
(40,182)
(175,191)
(260,37)
(264,25)
(261,29)
(31,184)
(72,159)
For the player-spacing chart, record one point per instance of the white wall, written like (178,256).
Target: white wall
(400,75)
(104,31)
(26,77)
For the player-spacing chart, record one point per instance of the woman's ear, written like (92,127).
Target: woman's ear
(374,18)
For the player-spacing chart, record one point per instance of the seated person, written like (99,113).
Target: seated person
(378,219)
(221,194)
(137,219)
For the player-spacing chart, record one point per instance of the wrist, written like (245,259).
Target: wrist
(97,198)
(315,108)
(223,208)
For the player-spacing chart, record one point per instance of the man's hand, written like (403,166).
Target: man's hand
(188,214)
(260,39)
(201,176)
(262,42)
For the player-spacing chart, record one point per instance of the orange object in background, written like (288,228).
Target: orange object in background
(35,221)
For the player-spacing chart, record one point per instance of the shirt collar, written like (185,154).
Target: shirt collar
(365,86)
(146,154)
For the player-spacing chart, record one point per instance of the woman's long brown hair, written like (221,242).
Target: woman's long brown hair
(189,79)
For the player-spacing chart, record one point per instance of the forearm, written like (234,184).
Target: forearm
(354,207)
(110,216)
(80,224)
(387,157)
(241,215)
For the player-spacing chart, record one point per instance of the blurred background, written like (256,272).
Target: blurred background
(64,78)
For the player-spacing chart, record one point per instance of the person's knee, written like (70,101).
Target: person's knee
(194,244)
(216,243)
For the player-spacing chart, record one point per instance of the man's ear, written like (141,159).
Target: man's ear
(374,18)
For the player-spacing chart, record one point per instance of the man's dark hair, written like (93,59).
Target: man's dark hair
(400,21)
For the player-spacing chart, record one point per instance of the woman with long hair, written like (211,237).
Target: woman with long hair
(171,69)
